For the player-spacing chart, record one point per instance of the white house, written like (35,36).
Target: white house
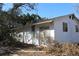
(62,29)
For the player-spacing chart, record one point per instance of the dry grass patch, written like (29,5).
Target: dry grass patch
(64,49)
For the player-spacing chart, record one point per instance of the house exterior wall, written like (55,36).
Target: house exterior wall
(28,35)
(49,32)
(55,32)
(71,35)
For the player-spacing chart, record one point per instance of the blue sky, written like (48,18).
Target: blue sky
(53,10)
(50,10)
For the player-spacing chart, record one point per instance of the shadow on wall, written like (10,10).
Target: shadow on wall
(28,38)
(43,37)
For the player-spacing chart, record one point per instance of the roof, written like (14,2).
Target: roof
(50,20)
(63,16)
(42,22)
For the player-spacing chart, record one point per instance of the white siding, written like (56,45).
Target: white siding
(48,33)
(27,35)
(52,31)
(55,31)
(71,35)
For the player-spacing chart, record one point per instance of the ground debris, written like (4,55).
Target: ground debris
(56,49)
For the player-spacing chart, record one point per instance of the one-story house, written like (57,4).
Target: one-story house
(62,29)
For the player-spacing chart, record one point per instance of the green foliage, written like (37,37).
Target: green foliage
(9,19)
(7,27)
(23,19)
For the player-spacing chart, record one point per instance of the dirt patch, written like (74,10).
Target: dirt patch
(32,53)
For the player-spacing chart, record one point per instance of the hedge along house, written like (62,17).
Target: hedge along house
(61,29)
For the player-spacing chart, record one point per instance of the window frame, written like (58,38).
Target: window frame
(65,27)
(76,28)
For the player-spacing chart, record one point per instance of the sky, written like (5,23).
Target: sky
(50,10)
(53,10)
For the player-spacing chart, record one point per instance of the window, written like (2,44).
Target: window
(33,28)
(71,17)
(65,27)
(77,28)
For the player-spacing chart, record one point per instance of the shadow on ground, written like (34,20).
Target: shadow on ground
(10,50)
